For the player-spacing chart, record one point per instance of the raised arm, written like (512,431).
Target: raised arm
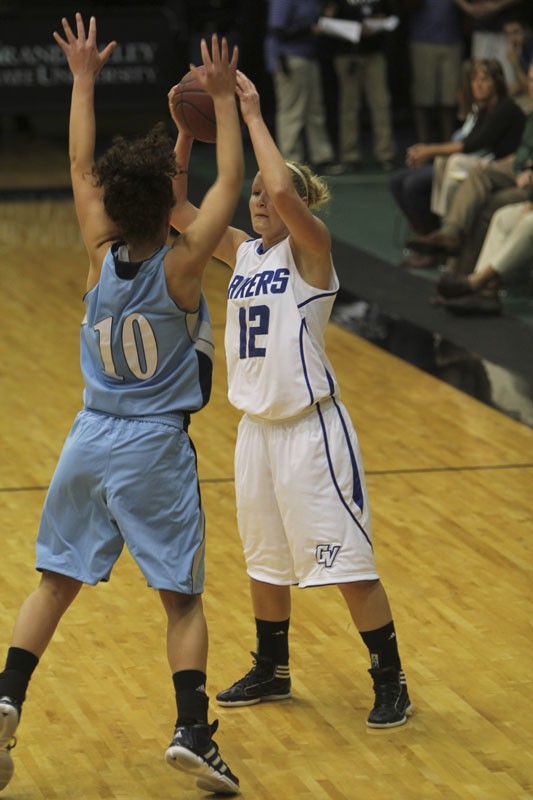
(186,263)
(85,63)
(184,212)
(310,239)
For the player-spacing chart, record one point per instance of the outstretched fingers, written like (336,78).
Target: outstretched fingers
(219,55)
(204,50)
(80,27)
(216,56)
(81,49)
(234,58)
(91,39)
(106,52)
(68,31)
(69,36)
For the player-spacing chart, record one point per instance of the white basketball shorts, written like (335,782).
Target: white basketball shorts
(302,503)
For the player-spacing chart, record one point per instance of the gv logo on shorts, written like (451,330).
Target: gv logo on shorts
(327,553)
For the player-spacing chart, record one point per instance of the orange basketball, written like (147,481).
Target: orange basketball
(195,110)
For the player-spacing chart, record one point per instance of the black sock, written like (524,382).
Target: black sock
(273,640)
(17,673)
(191,700)
(383,647)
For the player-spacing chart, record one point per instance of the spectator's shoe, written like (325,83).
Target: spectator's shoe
(9,720)
(392,705)
(330,168)
(265,681)
(435,242)
(193,750)
(475,305)
(454,285)
(352,166)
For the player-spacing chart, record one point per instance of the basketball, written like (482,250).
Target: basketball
(195,110)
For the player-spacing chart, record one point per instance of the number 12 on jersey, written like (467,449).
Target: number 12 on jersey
(253,321)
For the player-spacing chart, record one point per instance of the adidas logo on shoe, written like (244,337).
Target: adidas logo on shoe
(193,750)
(392,705)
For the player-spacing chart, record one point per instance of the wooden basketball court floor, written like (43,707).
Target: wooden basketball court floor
(451,486)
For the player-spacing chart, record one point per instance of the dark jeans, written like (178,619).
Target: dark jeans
(411,188)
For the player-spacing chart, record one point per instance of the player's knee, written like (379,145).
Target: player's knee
(61,589)
(178,604)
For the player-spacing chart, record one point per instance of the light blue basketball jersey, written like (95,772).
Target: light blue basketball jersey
(140,353)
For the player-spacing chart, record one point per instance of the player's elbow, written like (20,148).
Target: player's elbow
(79,167)
(282,194)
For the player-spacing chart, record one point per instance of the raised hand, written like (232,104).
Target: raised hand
(218,73)
(172,110)
(248,97)
(81,50)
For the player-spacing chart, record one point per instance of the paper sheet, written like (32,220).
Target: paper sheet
(341,28)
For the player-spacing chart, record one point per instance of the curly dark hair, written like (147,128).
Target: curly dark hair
(136,177)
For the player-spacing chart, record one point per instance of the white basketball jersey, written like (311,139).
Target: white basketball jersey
(277,365)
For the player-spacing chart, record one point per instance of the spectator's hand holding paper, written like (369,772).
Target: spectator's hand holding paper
(341,28)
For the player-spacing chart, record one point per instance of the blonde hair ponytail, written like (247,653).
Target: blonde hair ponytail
(308,184)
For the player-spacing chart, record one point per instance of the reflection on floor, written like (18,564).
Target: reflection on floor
(491,384)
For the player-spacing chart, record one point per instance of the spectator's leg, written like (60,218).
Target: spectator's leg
(411,188)
(378,99)
(348,71)
(470,200)
(500,230)
(474,241)
(290,90)
(320,149)
(516,252)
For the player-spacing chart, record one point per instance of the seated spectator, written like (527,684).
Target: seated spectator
(494,126)
(520,54)
(484,191)
(449,171)
(506,252)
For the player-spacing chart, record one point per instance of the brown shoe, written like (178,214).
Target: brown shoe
(475,305)
(454,285)
(435,242)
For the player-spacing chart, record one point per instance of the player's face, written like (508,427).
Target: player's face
(265,219)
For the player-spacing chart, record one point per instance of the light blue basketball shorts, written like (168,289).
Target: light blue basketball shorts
(125,480)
